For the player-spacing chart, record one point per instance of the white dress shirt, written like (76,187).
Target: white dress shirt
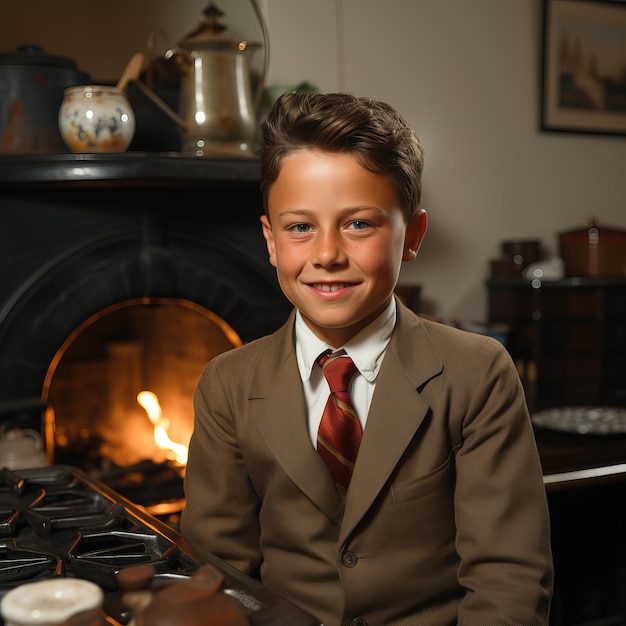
(366,350)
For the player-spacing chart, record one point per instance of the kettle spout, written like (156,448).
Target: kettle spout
(162,105)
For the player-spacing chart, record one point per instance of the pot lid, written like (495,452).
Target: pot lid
(34,55)
(594,226)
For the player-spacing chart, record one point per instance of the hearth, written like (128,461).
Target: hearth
(121,274)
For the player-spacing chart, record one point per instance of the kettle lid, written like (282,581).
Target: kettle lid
(209,34)
(209,28)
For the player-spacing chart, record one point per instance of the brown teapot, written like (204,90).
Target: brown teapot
(197,600)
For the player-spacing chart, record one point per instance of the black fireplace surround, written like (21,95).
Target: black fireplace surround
(80,233)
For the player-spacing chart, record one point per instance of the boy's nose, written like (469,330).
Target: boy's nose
(328,249)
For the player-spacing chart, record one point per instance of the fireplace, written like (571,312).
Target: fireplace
(121,274)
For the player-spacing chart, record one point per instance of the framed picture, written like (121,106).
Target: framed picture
(584,66)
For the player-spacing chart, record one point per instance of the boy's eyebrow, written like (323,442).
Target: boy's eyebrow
(294,212)
(344,211)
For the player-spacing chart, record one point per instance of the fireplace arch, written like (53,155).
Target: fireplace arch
(221,276)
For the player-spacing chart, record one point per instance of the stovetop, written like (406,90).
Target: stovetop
(58,521)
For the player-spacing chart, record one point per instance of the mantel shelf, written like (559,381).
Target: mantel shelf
(128,168)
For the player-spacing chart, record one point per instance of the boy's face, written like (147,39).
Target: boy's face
(337,236)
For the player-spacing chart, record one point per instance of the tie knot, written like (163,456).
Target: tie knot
(338,369)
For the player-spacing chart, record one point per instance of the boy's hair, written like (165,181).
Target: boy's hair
(372,131)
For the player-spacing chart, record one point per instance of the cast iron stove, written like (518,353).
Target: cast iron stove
(58,521)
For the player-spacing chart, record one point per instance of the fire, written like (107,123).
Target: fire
(150,403)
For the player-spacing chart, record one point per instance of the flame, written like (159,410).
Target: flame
(150,403)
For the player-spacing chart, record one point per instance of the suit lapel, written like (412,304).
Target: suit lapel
(278,410)
(396,413)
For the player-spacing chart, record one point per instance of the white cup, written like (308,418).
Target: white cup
(21,449)
(49,602)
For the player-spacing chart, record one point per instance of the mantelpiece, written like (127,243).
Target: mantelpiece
(161,169)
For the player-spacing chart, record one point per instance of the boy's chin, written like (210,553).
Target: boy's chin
(336,330)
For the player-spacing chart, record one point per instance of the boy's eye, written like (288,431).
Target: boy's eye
(359,225)
(300,228)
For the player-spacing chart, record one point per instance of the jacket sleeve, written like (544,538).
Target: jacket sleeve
(503,536)
(222,509)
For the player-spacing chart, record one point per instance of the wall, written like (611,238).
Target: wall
(465,74)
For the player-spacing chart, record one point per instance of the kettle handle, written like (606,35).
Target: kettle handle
(266,57)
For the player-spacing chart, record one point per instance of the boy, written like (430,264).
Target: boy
(443,519)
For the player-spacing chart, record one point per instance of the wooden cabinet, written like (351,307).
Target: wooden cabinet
(567,337)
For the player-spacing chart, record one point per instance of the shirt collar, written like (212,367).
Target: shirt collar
(366,349)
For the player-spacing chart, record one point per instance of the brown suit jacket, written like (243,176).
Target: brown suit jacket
(446,519)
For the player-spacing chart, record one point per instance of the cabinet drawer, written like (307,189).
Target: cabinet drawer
(616,302)
(615,335)
(571,368)
(568,304)
(615,369)
(509,305)
(559,394)
(572,338)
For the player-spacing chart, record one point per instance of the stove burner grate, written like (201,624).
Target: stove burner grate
(18,565)
(99,556)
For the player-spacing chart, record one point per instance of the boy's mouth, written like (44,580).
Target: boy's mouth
(330,286)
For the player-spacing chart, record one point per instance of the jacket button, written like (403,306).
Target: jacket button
(358,621)
(349,560)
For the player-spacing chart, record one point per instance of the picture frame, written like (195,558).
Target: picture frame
(583,77)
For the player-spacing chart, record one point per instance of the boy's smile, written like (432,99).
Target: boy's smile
(337,236)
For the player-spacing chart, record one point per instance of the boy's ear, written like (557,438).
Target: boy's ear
(415,231)
(269,239)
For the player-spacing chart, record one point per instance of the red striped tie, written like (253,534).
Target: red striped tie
(339,434)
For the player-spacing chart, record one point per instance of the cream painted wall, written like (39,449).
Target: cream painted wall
(465,74)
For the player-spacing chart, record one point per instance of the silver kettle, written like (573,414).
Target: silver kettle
(216,99)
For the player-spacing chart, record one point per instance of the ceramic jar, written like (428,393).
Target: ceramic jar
(96,118)
(49,602)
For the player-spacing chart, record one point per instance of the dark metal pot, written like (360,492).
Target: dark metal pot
(31,91)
